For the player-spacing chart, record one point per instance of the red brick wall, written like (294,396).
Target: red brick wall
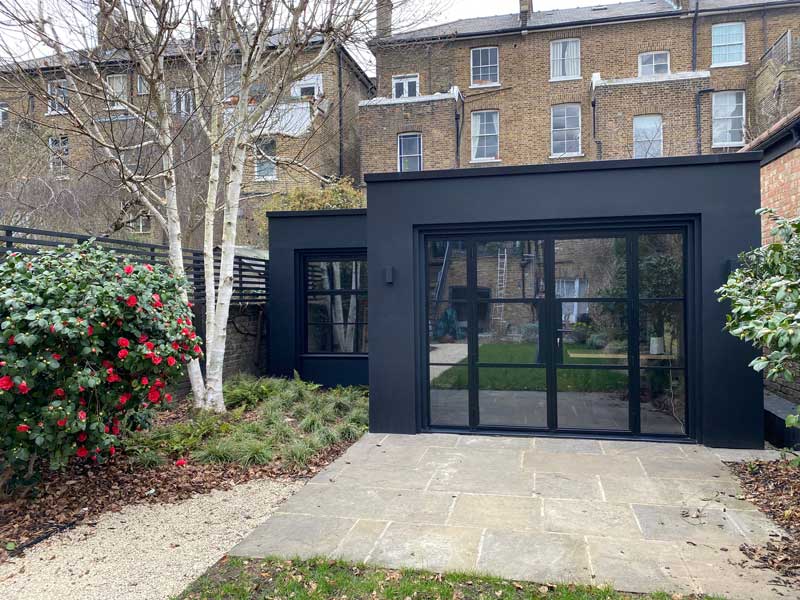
(780,189)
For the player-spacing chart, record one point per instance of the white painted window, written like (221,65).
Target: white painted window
(405,86)
(309,86)
(231,79)
(3,114)
(57,96)
(648,136)
(141,223)
(653,63)
(485,66)
(565,59)
(728,119)
(142,87)
(59,154)
(182,101)
(409,152)
(117,90)
(727,44)
(265,166)
(485,135)
(565,130)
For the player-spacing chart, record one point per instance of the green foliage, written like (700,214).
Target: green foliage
(339,194)
(284,420)
(764,293)
(88,343)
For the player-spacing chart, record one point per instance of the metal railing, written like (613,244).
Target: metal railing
(250,275)
(785,49)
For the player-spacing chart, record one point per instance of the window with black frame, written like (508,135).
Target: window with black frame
(336,305)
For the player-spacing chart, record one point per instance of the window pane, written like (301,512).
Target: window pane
(336,275)
(449,396)
(661,265)
(662,398)
(337,308)
(337,338)
(593,333)
(661,334)
(595,265)
(398,89)
(647,136)
(412,88)
(513,397)
(447,270)
(593,399)
(509,332)
(727,41)
(510,269)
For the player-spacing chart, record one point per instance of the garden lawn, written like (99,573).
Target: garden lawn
(239,579)
(534,378)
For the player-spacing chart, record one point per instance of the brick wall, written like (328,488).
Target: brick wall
(780,189)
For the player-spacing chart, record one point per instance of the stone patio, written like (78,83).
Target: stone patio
(637,516)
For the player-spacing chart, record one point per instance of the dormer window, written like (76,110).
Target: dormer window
(653,63)
(405,86)
(308,87)
(485,67)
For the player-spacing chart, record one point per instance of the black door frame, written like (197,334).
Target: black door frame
(548,233)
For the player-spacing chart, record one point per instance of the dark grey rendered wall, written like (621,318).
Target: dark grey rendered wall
(719,193)
(291,234)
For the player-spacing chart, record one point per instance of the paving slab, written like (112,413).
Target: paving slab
(639,516)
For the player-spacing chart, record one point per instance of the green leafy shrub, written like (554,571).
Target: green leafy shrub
(88,343)
(764,293)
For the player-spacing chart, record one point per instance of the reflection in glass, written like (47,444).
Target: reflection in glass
(661,334)
(337,337)
(511,269)
(447,332)
(593,399)
(662,397)
(512,397)
(593,333)
(591,268)
(510,333)
(449,396)
(336,275)
(661,265)
(447,270)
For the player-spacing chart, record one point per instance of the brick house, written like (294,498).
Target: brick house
(631,80)
(315,126)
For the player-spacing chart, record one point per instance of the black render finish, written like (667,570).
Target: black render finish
(716,196)
(292,236)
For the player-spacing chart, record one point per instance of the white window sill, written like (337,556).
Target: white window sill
(477,86)
(557,79)
(654,75)
(50,113)
(261,179)
(723,65)
(481,161)
(570,155)
(731,145)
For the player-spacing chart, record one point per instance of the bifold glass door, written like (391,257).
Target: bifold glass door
(579,332)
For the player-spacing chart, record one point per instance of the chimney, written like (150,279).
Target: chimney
(383,18)
(524,10)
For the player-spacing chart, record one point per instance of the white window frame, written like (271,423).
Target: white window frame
(258,159)
(137,225)
(654,54)
(4,115)
(714,119)
(473,135)
(405,79)
(54,107)
(472,67)
(142,87)
(59,153)
(743,61)
(114,100)
(555,43)
(579,128)
(659,139)
(400,156)
(314,79)
(183,93)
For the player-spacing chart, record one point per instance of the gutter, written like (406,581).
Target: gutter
(694,34)
(341,110)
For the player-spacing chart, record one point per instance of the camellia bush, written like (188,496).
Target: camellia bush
(764,293)
(88,342)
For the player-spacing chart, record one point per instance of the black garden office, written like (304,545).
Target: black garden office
(538,300)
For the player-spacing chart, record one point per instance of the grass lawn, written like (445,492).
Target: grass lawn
(238,579)
(533,379)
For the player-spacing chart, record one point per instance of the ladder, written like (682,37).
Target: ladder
(502,276)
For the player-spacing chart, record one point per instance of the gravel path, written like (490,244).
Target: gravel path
(144,552)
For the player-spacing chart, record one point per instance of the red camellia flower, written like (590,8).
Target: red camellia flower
(197,349)
(6,383)
(115,430)
(142,338)
(124,397)
(153,395)
(56,356)
(59,392)
(157,301)
(90,330)
(156,359)
(171,361)
(52,328)
(11,341)
(168,398)
(176,346)
(61,422)
(112,451)
(113,377)
(181,462)
(82,415)
(81,437)
(82,452)
(150,346)
(123,342)
(132,300)
(122,354)
(128,269)
(145,380)
(22,428)
(148,267)
(23,387)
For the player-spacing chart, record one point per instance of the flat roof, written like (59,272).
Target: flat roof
(329,212)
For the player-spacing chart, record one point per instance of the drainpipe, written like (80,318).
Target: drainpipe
(698,117)
(598,143)
(694,34)
(458,116)
(341,113)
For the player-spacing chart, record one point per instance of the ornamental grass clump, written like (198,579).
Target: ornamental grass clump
(88,343)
